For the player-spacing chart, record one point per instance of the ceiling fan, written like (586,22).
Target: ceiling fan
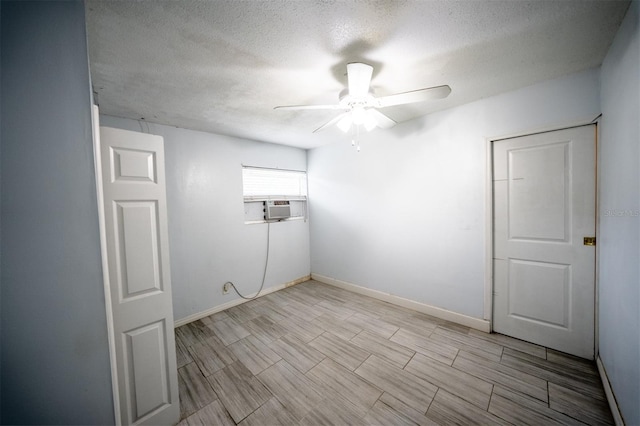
(360,105)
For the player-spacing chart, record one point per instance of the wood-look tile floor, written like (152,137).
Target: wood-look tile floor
(315,354)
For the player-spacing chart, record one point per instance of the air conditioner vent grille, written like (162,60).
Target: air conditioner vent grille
(277,209)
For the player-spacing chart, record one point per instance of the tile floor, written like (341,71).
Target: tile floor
(315,354)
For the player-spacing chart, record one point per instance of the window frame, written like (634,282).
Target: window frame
(300,199)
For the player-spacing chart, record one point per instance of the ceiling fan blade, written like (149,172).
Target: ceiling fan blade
(298,107)
(359,79)
(381,120)
(331,122)
(420,95)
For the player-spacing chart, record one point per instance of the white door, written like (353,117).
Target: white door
(544,207)
(135,212)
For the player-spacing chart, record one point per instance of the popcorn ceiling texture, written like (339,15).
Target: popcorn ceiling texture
(221,66)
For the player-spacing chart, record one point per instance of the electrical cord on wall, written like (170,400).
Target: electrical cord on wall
(264,274)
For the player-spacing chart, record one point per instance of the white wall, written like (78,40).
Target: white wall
(55,355)
(209,241)
(406,215)
(619,239)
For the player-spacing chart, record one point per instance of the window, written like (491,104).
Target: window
(261,185)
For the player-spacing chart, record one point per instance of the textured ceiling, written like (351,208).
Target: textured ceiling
(221,66)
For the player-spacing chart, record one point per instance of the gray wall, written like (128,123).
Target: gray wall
(208,239)
(406,214)
(619,239)
(55,358)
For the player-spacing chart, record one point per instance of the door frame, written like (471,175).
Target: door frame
(97,158)
(488,275)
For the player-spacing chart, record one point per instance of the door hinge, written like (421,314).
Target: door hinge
(589,241)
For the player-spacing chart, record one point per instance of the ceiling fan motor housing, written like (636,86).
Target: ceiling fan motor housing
(350,102)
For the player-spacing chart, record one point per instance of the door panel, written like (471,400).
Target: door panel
(539,291)
(137,250)
(535,171)
(544,204)
(148,382)
(140,287)
(133,165)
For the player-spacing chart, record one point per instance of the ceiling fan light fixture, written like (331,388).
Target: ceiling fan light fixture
(359,115)
(344,123)
(370,122)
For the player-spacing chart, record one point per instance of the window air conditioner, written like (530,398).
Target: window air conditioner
(277,210)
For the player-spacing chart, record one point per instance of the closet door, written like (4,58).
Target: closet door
(135,212)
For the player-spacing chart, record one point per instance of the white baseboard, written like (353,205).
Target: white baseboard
(476,323)
(236,302)
(611,399)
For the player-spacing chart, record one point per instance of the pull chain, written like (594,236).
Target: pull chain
(355,138)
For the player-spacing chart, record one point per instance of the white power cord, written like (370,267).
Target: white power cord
(264,274)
